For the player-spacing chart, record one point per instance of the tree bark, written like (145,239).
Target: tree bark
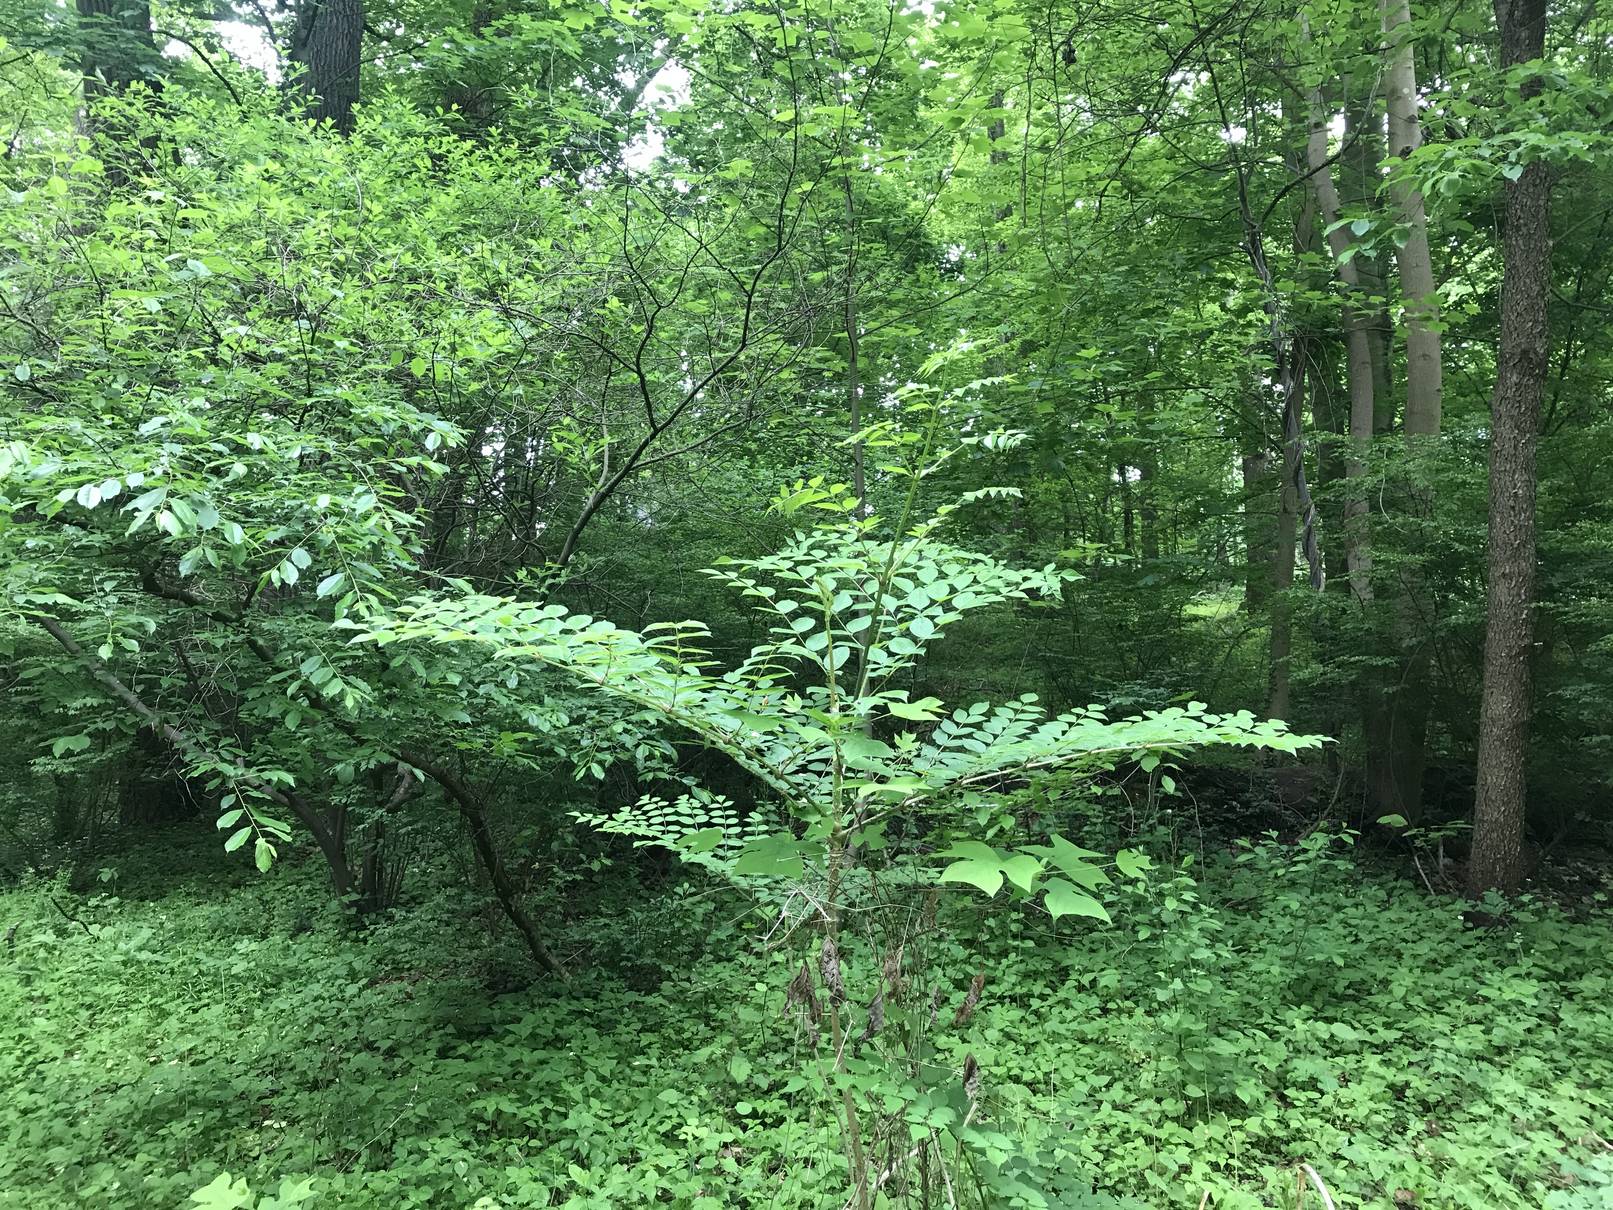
(482,840)
(1260,490)
(1282,580)
(328,42)
(118,46)
(1396,761)
(1358,368)
(1520,384)
(1424,369)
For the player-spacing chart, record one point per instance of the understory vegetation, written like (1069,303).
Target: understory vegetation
(1251,1009)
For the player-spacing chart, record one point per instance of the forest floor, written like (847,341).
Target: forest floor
(1241,1018)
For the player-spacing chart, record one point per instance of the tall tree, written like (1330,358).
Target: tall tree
(327,42)
(1504,709)
(1398,736)
(118,48)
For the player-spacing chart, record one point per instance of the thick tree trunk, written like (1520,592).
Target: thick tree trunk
(328,42)
(117,51)
(118,47)
(1504,709)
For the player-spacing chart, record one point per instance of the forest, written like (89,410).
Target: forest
(834,604)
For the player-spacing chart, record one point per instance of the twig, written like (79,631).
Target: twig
(1418,862)
(1327,1198)
(67,916)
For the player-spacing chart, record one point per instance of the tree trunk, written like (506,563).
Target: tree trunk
(1283,562)
(328,840)
(1424,372)
(1260,490)
(1147,458)
(1396,781)
(1362,175)
(118,47)
(1358,368)
(328,42)
(1282,580)
(1504,709)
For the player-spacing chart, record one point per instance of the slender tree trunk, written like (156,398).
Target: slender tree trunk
(1362,175)
(1147,473)
(854,385)
(1398,759)
(487,853)
(1282,580)
(1260,490)
(1359,372)
(1504,709)
(328,42)
(328,840)
(1424,369)
(1281,649)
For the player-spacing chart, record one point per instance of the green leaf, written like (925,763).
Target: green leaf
(69,743)
(981,866)
(1062,900)
(1022,870)
(1132,863)
(702,841)
(263,855)
(776,856)
(238,839)
(921,711)
(739,1069)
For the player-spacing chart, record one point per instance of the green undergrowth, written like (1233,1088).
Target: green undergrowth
(1247,1015)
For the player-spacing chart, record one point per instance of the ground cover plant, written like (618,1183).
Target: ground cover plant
(1244,1014)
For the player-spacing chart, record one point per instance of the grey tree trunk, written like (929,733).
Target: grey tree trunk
(328,43)
(118,47)
(1424,370)
(1358,368)
(1397,760)
(1505,706)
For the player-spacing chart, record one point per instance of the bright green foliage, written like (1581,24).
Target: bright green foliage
(815,712)
(947,858)
(1273,1011)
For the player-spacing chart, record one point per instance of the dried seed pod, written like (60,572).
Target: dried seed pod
(967,1008)
(971,1079)
(876,1017)
(802,994)
(935,1005)
(829,965)
(893,970)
